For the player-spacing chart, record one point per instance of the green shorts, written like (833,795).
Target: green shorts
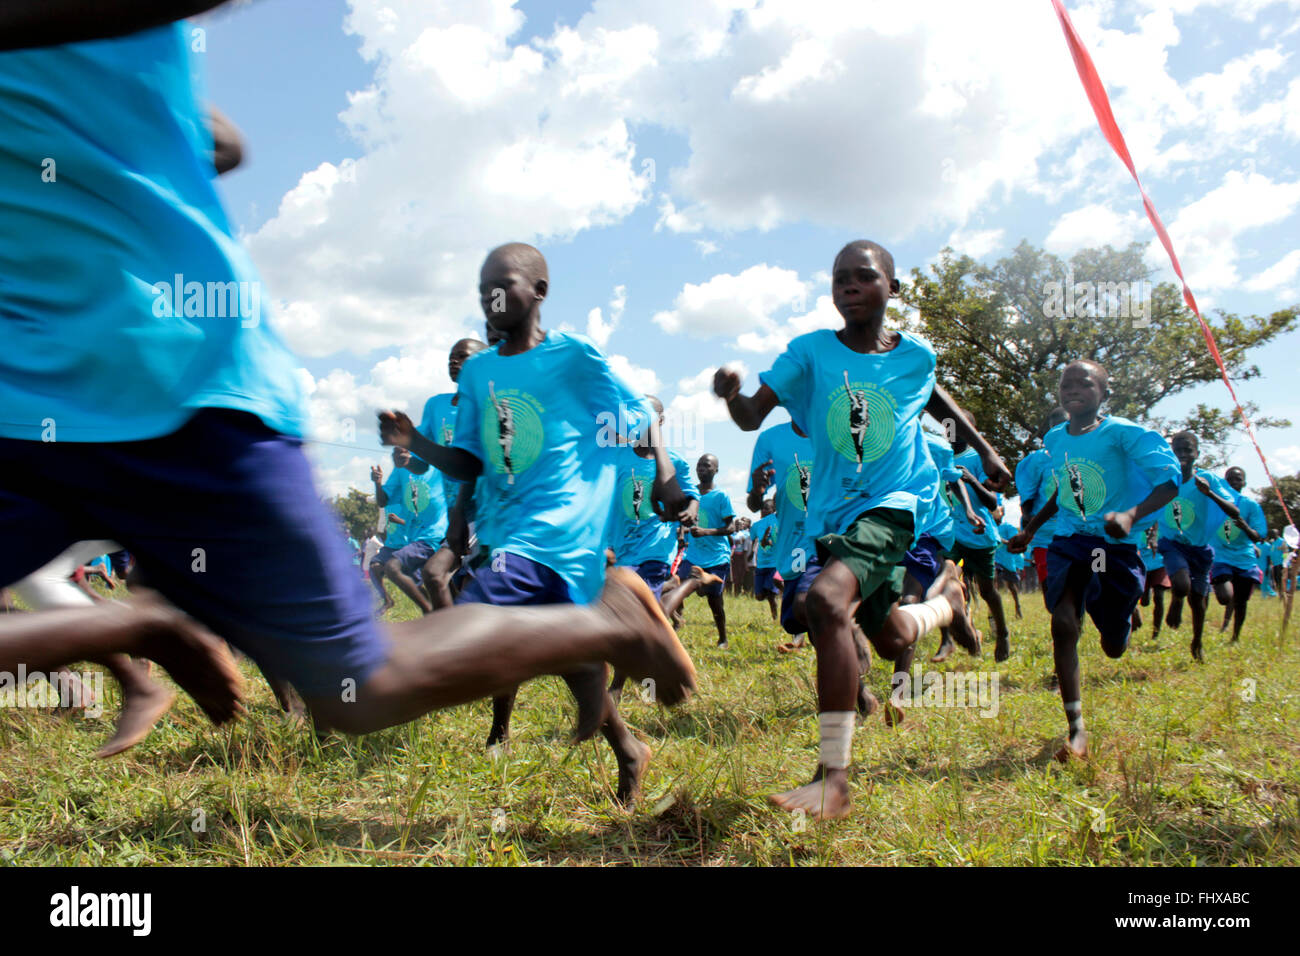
(978,561)
(872,548)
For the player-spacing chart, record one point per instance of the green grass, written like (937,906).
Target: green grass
(1185,769)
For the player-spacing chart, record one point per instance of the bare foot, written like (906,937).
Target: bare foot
(142,707)
(1076,746)
(704,577)
(1198,653)
(1002,649)
(825,798)
(649,647)
(631,771)
(1174,617)
(867,702)
(787,647)
(194,657)
(949,585)
(946,647)
(893,713)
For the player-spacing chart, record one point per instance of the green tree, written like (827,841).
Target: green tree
(1289,485)
(1004,332)
(357,511)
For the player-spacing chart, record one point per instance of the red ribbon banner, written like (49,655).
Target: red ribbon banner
(1110,129)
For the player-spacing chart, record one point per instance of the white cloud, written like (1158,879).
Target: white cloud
(598,330)
(1276,275)
(644,380)
(1205,232)
(695,404)
(730,305)
(707,247)
(976,243)
(1288,457)
(1096,224)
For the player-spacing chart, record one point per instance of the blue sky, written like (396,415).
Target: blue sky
(689,168)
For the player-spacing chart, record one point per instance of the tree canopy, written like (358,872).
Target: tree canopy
(1005,331)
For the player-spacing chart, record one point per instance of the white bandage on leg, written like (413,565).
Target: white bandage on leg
(51,587)
(1074,714)
(836,728)
(936,612)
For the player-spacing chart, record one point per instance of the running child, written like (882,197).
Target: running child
(1236,573)
(1157,581)
(875,483)
(438,424)
(1036,482)
(532,426)
(924,560)
(764,534)
(706,542)
(210,412)
(1187,526)
(975,548)
(1008,566)
(424,528)
(1112,478)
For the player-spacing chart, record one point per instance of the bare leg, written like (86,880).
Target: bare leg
(719,610)
(471,651)
(377,582)
(1002,649)
(145,627)
(437,573)
(407,585)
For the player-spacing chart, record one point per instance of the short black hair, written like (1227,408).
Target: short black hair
(1186,434)
(867,245)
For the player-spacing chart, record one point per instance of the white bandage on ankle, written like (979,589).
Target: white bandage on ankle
(1074,714)
(836,728)
(936,612)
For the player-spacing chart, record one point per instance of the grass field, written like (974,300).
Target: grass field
(1186,769)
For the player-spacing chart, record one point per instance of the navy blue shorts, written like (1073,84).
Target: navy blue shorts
(715,590)
(765,583)
(1219,571)
(925,560)
(655,574)
(511,580)
(1185,557)
(794,586)
(223,518)
(1109,596)
(410,557)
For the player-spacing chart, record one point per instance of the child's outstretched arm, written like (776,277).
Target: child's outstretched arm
(942,407)
(1229,508)
(1120,523)
(988,499)
(32,23)
(959,489)
(1020,541)
(747,411)
(396,428)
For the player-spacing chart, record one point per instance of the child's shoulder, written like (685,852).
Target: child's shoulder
(911,342)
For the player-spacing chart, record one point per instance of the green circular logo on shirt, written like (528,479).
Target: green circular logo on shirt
(635,497)
(860,422)
(1229,534)
(415,496)
(1082,488)
(1180,514)
(798,483)
(511,430)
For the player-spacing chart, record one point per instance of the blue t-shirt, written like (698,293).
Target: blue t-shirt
(126,301)
(438,424)
(764,533)
(792,464)
(1232,546)
(545,425)
(1004,558)
(1113,467)
(940,523)
(418,500)
(711,550)
(1151,557)
(963,530)
(636,533)
(355,547)
(1036,482)
(1192,518)
(1277,553)
(863,414)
